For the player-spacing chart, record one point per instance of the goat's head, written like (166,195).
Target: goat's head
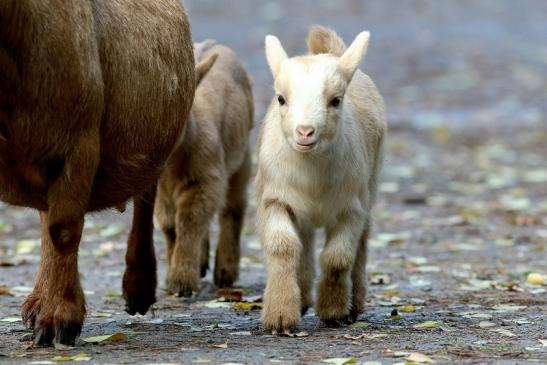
(310,92)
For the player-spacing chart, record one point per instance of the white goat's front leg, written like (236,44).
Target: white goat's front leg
(282,250)
(337,260)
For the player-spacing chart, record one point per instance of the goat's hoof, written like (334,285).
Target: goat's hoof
(44,335)
(139,302)
(139,291)
(281,321)
(67,332)
(58,331)
(182,285)
(225,278)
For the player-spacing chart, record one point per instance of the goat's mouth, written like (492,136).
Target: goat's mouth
(304,147)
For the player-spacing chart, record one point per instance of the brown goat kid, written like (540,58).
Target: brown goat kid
(93,97)
(207,173)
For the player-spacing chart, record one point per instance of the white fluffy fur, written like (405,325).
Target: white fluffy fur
(331,185)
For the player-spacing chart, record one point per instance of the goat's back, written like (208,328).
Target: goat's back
(120,68)
(224,97)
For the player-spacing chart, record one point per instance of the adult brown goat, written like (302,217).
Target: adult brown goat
(93,97)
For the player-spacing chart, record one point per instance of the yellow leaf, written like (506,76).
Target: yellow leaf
(341,360)
(535,279)
(427,325)
(246,307)
(417,357)
(407,309)
(82,356)
(118,336)
(391,293)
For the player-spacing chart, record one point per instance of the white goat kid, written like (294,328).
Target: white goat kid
(320,152)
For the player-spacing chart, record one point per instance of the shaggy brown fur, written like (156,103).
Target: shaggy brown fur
(208,173)
(93,96)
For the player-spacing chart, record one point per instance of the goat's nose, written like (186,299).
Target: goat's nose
(305,131)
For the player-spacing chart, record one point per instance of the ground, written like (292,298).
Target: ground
(459,226)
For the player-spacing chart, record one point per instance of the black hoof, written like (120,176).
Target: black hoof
(139,303)
(44,335)
(67,333)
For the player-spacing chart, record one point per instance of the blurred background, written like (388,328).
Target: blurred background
(469,64)
(459,226)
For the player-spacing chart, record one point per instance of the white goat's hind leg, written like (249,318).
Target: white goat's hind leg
(282,250)
(306,272)
(359,277)
(337,259)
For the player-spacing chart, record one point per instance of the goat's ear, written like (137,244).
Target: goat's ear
(351,58)
(204,66)
(275,54)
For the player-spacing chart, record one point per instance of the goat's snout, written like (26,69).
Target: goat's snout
(305,131)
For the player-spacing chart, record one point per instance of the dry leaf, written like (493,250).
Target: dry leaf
(246,307)
(407,309)
(535,279)
(118,336)
(4,290)
(82,356)
(230,295)
(341,360)
(427,325)
(221,345)
(416,356)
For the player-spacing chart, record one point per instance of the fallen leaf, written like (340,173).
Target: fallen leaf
(421,358)
(486,324)
(391,293)
(25,246)
(240,333)
(400,353)
(246,307)
(543,342)
(340,360)
(230,295)
(504,332)
(351,337)
(118,336)
(101,315)
(427,325)
(62,347)
(221,345)
(535,279)
(427,268)
(112,293)
(217,304)
(82,356)
(507,307)
(11,319)
(407,309)
(4,290)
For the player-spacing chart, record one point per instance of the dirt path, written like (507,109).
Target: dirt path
(461,220)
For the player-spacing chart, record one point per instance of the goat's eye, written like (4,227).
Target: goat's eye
(281,100)
(335,102)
